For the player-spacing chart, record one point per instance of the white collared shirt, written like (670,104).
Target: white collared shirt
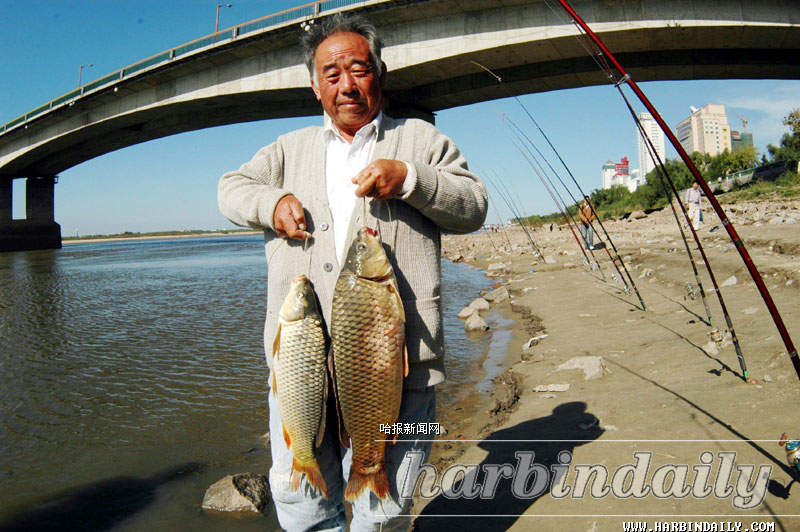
(343,161)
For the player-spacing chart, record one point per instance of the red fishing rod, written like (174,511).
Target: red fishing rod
(734,236)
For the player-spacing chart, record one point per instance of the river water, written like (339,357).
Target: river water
(132,377)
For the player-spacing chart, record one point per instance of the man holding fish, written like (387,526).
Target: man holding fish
(354,208)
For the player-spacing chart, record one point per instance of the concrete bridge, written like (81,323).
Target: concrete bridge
(254,71)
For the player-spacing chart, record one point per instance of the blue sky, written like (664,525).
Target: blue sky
(170,183)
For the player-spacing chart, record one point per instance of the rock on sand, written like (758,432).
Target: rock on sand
(592,366)
(245,492)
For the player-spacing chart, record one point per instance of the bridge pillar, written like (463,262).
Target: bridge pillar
(39,230)
(401,110)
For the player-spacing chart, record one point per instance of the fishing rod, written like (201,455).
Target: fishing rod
(558,205)
(725,313)
(617,255)
(541,173)
(662,169)
(517,213)
(745,255)
(553,170)
(499,219)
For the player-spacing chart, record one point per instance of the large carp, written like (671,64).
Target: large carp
(300,380)
(369,359)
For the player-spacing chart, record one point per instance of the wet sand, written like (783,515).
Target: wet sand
(667,391)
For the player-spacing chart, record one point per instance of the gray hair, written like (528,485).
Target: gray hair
(336,23)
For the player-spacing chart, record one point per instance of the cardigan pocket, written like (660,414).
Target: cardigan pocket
(424,333)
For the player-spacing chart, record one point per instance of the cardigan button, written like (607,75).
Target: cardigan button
(328,267)
(324,226)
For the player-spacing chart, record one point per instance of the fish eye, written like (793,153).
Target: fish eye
(362,247)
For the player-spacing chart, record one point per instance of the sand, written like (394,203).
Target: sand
(664,391)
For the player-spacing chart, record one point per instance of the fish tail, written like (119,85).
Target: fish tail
(313,475)
(359,481)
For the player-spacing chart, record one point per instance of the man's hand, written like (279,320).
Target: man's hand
(381,179)
(289,219)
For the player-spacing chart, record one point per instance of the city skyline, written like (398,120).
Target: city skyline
(170,183)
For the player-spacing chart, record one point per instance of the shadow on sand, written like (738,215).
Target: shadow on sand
(95,507)
(569,422)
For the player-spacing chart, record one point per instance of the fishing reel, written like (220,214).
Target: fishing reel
(627,290)
(690,291)
(717,336)
(792,448)
(585,262)
(593,266)
(614,278)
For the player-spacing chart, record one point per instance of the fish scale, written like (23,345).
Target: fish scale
(368,336)
(300,380)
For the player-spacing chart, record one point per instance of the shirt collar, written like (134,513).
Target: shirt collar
(330,131)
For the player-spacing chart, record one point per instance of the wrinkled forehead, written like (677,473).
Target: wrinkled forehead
(343,47)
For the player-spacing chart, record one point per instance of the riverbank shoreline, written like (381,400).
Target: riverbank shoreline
(156,237)
(664,387)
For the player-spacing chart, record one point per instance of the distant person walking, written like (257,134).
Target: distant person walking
(694,204)
(586,213)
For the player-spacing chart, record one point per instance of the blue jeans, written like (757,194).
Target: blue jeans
(306,510)
(587,232)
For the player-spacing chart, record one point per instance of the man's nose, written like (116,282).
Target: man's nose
(348,82)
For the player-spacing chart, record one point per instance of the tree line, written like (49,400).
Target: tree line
(618,200)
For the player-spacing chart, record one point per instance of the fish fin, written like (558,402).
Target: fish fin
(405,360)
(321,431)
(286,436)
(313,475)
(393,288)
(359,481)
(344,438)
(275,349)
(276,344)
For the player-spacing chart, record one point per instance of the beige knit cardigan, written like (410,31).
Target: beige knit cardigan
(447,197)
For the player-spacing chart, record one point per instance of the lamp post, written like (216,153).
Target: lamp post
(80,71)
(216,26)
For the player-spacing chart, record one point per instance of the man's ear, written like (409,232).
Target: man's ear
(383,75)
(315,89)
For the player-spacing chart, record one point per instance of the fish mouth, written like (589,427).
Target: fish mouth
(300,278)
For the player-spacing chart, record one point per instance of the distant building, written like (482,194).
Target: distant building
(656,135)
(616,173)
(740,141)
(706,130)
(636,180)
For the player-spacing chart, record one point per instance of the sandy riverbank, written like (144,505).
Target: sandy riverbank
(666,392)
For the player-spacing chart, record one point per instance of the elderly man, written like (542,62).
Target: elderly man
(306,185)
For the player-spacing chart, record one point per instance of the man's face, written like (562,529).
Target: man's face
(347,86)
(695,185)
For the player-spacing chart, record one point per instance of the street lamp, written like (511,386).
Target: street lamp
(80,71)
(216,26)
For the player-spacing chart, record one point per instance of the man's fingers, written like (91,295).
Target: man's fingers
(298,215)
(366,184)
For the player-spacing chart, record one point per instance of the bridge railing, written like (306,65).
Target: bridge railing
(312,9)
